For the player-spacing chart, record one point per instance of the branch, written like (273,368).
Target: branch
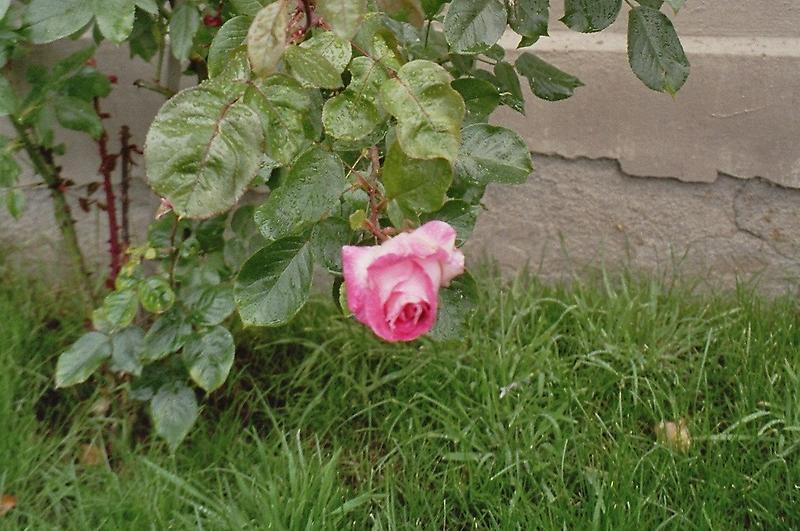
(125,181)
(42,160)
(107,163)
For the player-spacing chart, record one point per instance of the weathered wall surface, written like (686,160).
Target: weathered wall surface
(575,213)
(709,179)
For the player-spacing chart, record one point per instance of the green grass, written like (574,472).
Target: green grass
(323,426)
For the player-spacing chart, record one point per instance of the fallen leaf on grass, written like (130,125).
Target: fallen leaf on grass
(101,407)
(7,502)
(91,455)
(674,436)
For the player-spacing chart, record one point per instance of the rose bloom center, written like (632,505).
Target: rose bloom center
(409,315)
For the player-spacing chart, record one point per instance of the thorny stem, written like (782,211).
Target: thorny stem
(42,160)
(125,181)
(376,202)
(306,5)
(375,160)
(107,163)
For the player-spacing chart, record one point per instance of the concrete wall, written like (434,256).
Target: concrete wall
(709,179)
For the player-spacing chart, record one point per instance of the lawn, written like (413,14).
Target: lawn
(542,417)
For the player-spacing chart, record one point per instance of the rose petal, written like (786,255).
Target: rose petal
(355,261)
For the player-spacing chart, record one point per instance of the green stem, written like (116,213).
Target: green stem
(427,34)
(160,61)
(49,172)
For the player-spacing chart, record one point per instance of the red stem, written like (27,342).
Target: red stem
(107,164)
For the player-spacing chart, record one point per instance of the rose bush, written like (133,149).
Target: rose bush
(348,121)
(394,287)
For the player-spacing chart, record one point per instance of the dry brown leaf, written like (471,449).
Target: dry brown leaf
(91,455)
(7,502)
(674,436)
(101,407)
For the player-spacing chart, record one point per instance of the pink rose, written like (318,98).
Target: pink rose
(393,287)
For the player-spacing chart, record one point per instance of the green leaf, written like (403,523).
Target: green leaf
(156,295)
(366,78)
(247,238)
(588,16)
(174,409)
(458,214)
(344,16)
(127,347)
(78,115)
(417,184)
(655,4)
(546,81)
(481,98)
(309,192)
(401,215)
(429,112)
(4,7)
(203,149)
(378,43)
(115,18)
(511,91)
(67,66)
(350,117)
(287,114)
(655,53)
(8,100)
(119,307)
(327,239)
(167,335)
(266,39)
(336,50)
(230,37)
(432,7)
(208,305)
(148,6)
(247,7)
(357,218)
(493,154)
(87,85)
(456,304)
(209,358)
(404,10)
(676,4)
(529,18)
(145,37)
(159,232)
(9,170)
(183,24)
(473,26)
(50,20)
(77,363)
(210,233)
(15,202)
(274,283)
(311,68)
